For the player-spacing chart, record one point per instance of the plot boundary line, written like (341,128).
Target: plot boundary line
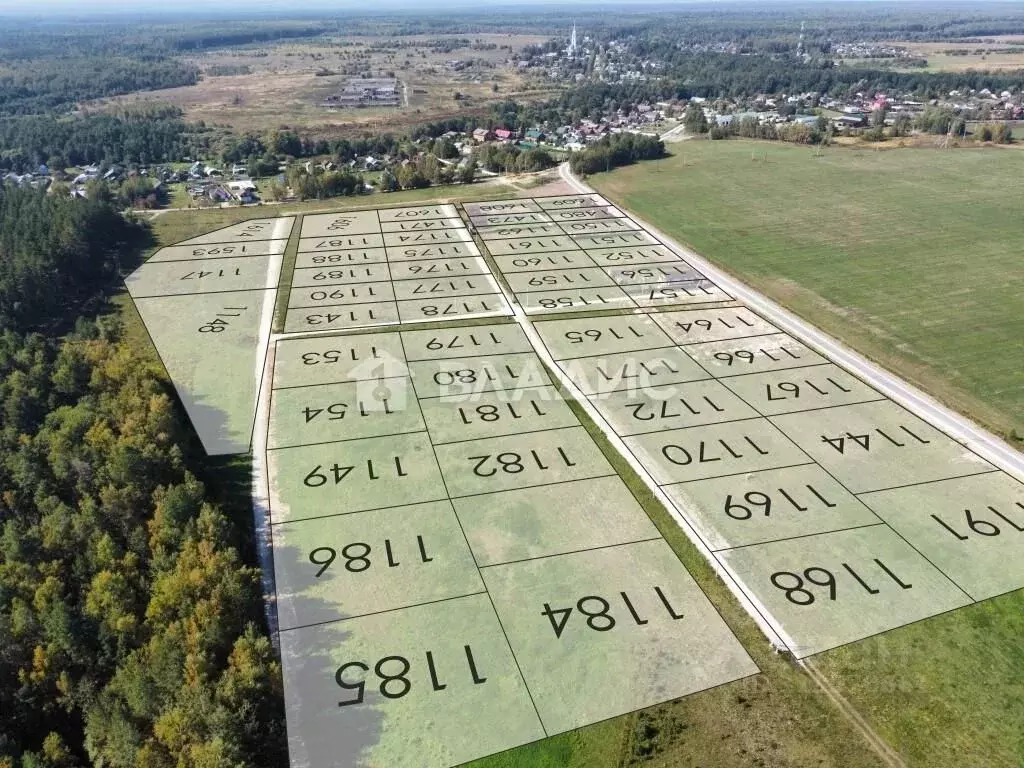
(879,522)
(801,338)
(343,381)
(469,546)
(229,226)
(783,370)
(198,293)
(823,407)
(737,474)
(356,511)
(345,440)
(149,259)
(941,480)
(382,611)
(510,434)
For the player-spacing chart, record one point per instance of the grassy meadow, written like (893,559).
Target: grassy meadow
(915,258)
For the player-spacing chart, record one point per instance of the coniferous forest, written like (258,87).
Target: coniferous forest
(132,621)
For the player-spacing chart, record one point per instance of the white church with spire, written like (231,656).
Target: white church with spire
(574,47)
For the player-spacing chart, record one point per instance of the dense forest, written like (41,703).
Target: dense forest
(58,83)
(693,22)
(717,74)
(131,621)
(57,254)
(157,135)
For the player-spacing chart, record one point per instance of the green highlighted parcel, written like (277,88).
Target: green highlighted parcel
(434,607)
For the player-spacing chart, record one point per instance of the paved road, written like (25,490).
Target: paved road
(960,428)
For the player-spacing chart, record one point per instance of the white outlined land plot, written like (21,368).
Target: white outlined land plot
(213,349)
(340,258)
(399,265)
(501,208)
(830,589)
(973,528)
(598,605)
(219,251)
(570,202)
(836,510)
(214,275)
(584,254)
(248,231)
(446,534)
(207,306)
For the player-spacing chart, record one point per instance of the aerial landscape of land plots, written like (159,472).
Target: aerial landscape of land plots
(432,608)
(576,253)
(458,566)
(208,303)
(398,265)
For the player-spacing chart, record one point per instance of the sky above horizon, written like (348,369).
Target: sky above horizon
(42,8)
(134,6)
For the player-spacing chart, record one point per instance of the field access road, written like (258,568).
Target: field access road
(957,426)
(675,134)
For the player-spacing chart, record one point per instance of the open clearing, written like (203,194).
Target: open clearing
(911,257)
(956,56)
(292,78)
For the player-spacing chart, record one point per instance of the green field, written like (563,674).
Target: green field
(912,257)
